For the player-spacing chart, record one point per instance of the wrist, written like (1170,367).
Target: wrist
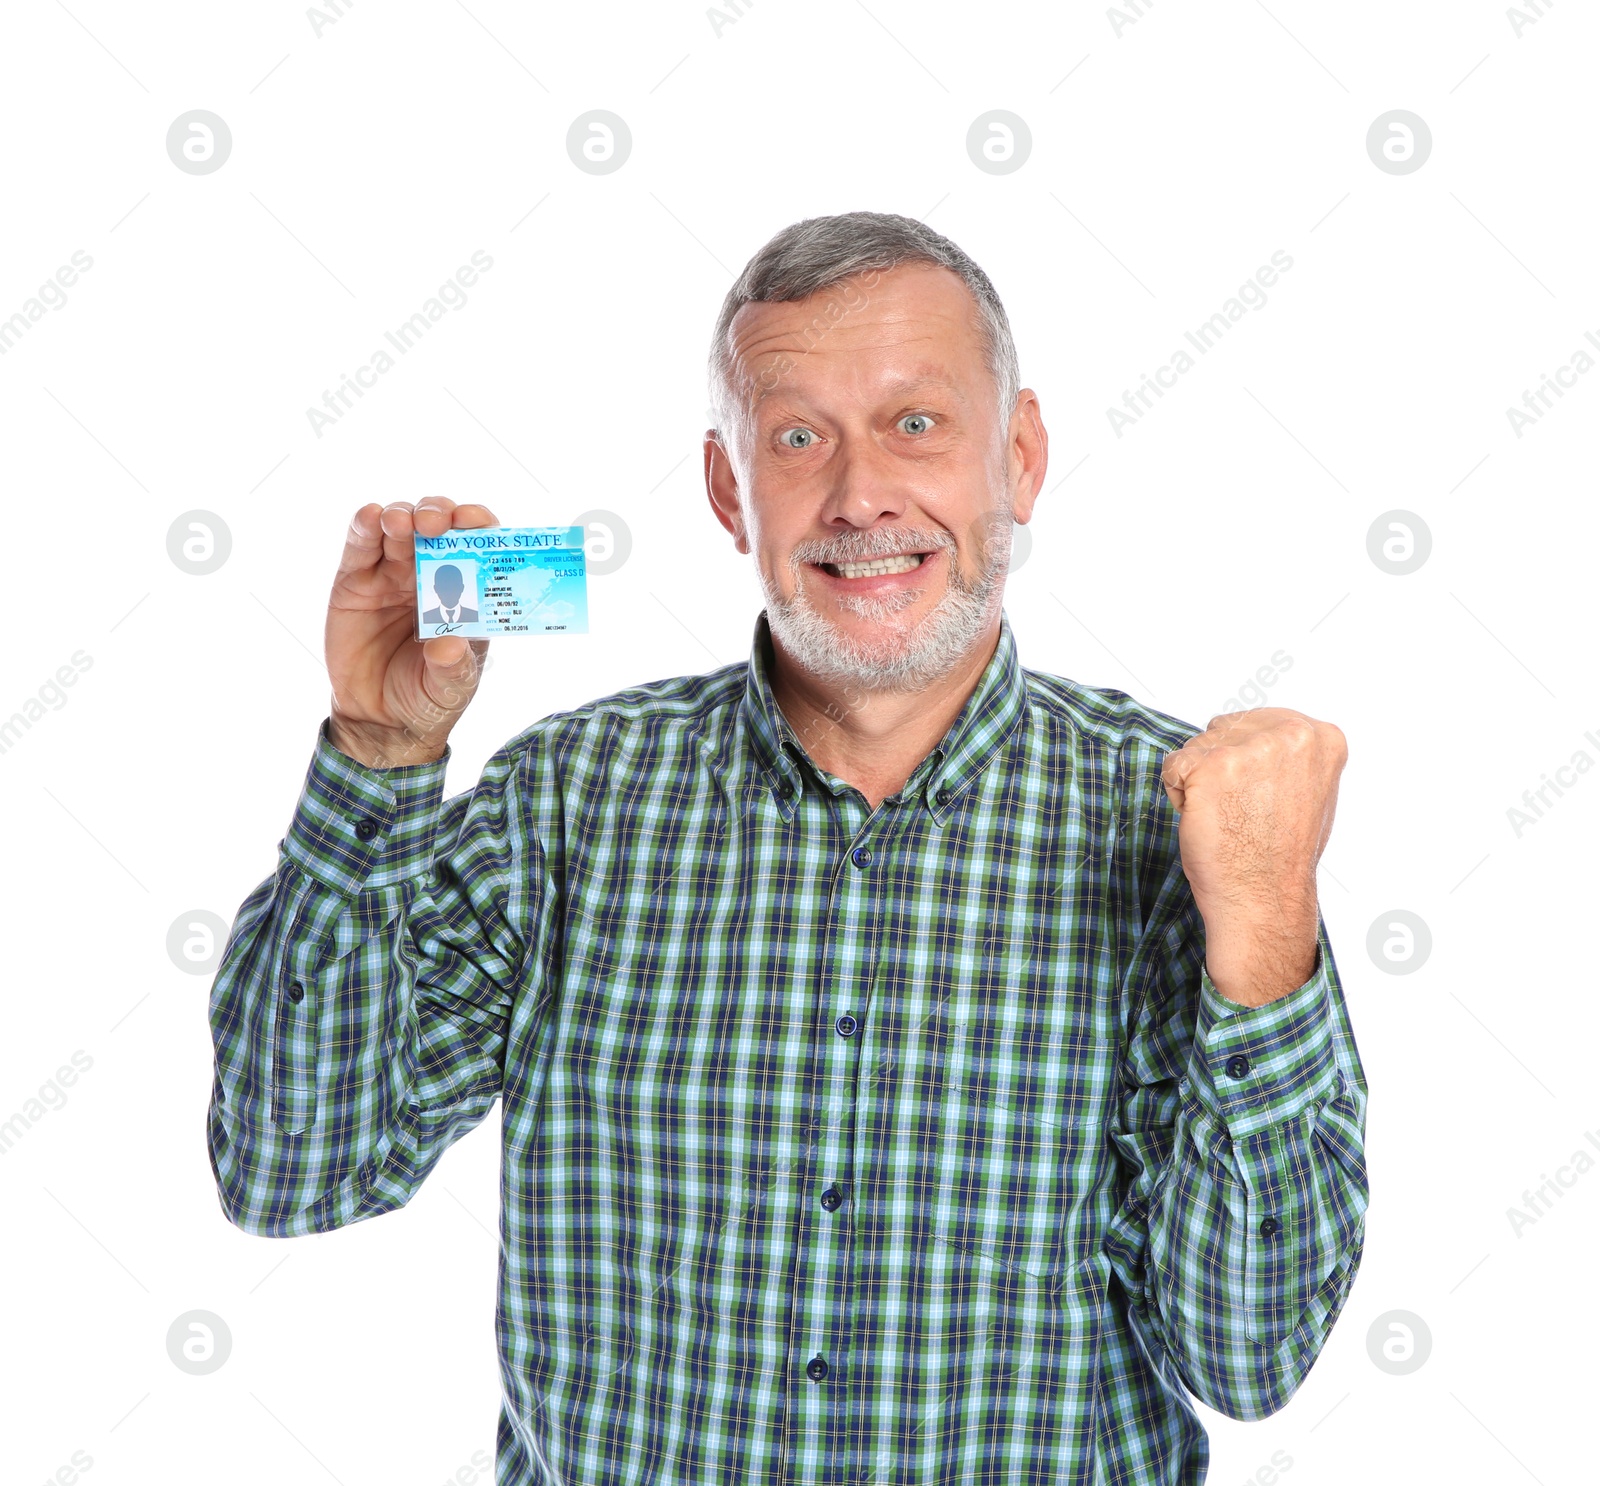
(1254,958)
(1265,966)
(382,748)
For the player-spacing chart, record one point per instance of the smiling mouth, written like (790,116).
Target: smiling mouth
(876,567)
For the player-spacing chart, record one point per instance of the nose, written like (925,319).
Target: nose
(863,488)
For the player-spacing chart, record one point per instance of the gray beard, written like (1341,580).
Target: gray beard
(904,659)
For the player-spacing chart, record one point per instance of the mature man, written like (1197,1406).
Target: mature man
(914,1067)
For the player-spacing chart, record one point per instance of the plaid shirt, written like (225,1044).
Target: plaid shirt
(908,1145)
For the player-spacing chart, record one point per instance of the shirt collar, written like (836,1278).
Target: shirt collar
(992,711)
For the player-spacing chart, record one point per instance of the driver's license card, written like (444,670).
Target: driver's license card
(502,580)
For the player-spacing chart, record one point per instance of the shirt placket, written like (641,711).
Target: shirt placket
(820,1315)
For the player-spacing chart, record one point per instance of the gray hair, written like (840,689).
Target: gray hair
(820,252)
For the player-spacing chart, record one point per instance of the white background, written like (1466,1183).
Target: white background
(1171,156)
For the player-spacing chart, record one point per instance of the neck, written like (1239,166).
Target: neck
(874,740)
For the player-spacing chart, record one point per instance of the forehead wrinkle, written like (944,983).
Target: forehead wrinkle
(892,326)
(889,386)
(759,350)
(852,324)
(763,332)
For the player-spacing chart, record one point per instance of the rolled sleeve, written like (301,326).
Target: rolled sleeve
(356,828)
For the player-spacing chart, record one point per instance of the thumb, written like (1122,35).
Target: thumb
(450,671)
(1174,777)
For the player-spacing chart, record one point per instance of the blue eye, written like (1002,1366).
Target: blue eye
(915,423)
(796,438)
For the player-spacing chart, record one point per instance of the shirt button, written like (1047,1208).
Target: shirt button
(297,992)
(861,856)
(846,1025)
(817,1369)
(366,829)
(832,1198)
(1269,1226)
(942,798)
(1238,1065)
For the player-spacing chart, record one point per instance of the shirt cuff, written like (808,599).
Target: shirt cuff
(356,828)
(1257,1066)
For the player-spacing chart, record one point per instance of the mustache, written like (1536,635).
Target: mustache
(863,546)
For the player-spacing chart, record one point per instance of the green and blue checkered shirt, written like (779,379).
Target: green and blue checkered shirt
(840,1145)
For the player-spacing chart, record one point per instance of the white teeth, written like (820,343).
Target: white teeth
(881,565)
